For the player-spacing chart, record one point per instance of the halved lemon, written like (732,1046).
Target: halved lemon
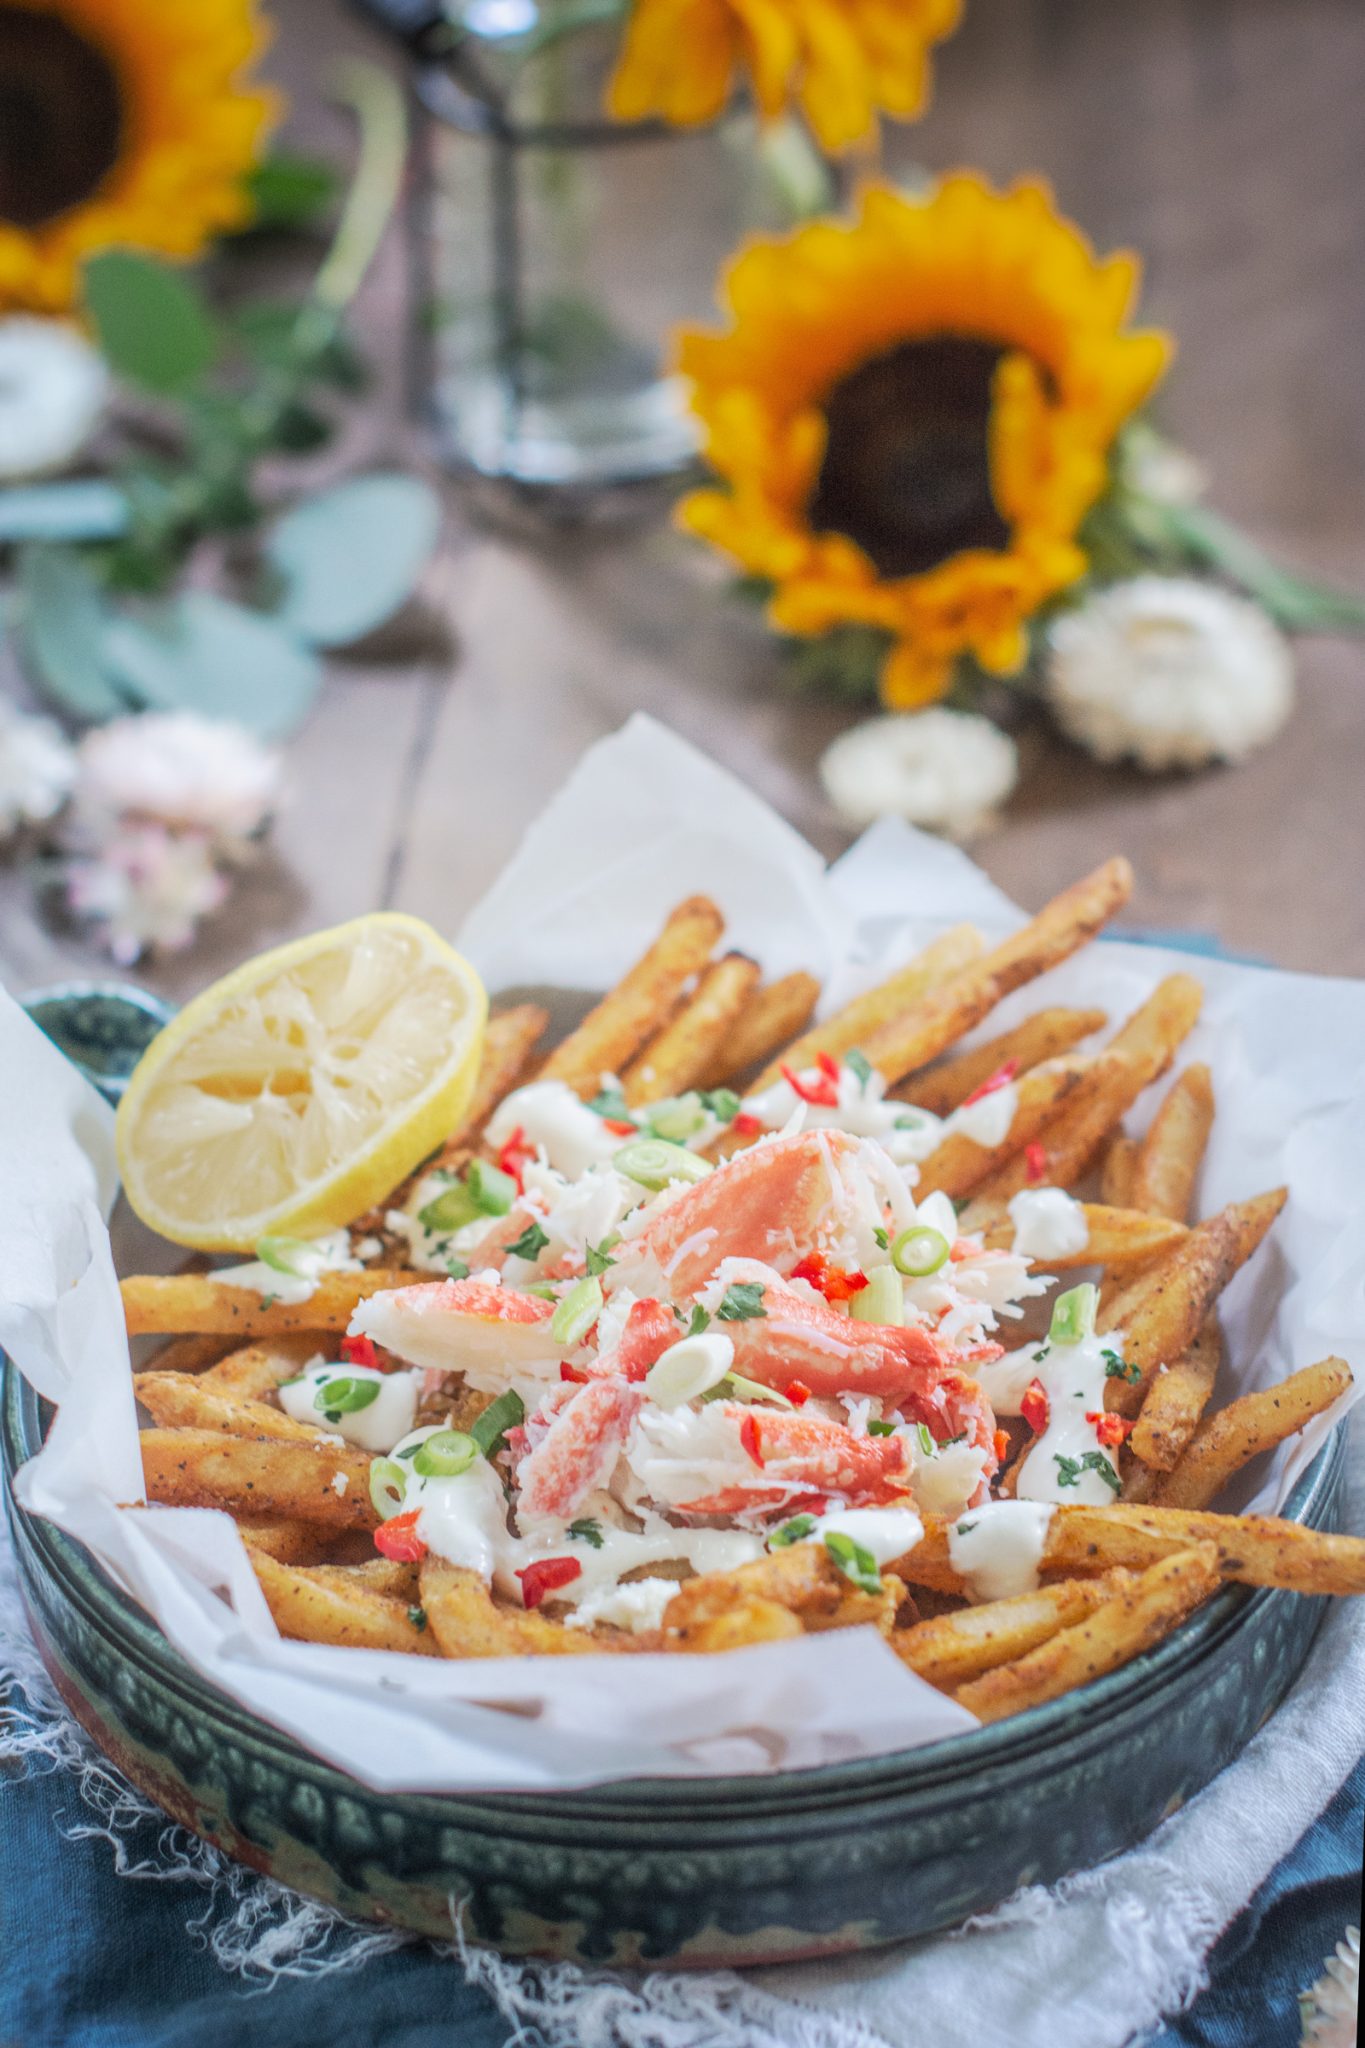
(298,1090)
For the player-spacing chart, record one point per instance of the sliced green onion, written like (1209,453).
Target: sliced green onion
(854,1562)
(388,1487)
(919,1251)
(1073,1314)
(676,1117)
(689,1369)
(577,1313)
(926,1441)
(881,1301)
(791,1532)
(346,1396)
(296,1256)
(451,1209)
(488,1429)
(544,1290)
(491,1189)
(654,1162)
(445,1455)
(721,1103)
(742,1389)
(859,1064)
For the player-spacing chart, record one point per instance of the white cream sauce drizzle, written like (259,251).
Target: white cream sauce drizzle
(997,1548)
(315,1256)
(1074,1378)
(1048,1224)
(386,1420)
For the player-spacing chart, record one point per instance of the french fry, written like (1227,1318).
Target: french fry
(509,1042)
(320,1606)
(256,1369)
(1170,1155)
(952,1648)
(1118,1237)
(1134,1620)
(613,1032)
(945,1014)
(879,1007)
(803,1578)
(1044,1036)
(673,1061)
(959,1165)
(204,1468)
(178,1400)
(191,1354)
(194,1302)
(751,1619)
(466,1621)
(1116,1174)
(1175,1401)
(1162,1314)
(286,1538)
(774,1014)
(381,1574)
(1253,1423)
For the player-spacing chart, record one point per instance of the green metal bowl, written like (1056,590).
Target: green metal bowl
(714,1871)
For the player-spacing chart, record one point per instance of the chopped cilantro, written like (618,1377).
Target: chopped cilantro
(1069,1470)
(854,1562)
(742,1301)
(721,1103)
(1043,1351)
(1116,1369)
(700,1321)
(458,1269)
(965,1528)
(409,1451)
(791,1532)
(960,1203)
(883,1241)
(587,1530)
(488,1429)
(882,1428)
(611,1102)
(269,1300)
(597,1256)
(530,1244)
(949,1441)
(861,1065)
(279,1384)
(418,1617)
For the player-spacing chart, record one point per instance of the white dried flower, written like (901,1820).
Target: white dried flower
(147,889)
(1160,469)
(1171,671)
(37,768)
(53,388)
(177,769)
(1331,2010)
(945,770)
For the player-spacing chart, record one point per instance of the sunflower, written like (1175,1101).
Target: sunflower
(121,122)
(912,413)
(841,61)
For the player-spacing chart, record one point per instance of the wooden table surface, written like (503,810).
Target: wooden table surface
(1223,139)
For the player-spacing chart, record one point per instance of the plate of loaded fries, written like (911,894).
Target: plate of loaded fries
(742,1413)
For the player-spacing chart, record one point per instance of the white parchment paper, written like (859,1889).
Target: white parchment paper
(644,820)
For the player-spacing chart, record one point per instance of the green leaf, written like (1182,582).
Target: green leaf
(202,653)
(86,510)
(152,323)
(349,557)
(1295,603)
(741,1302)
(289,191)
(63,616)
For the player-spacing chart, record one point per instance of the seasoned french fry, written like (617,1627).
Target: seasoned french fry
(257,1369)
(191,1354)
(155,1302)
(945,1014)
(1044,1036)
(612,1033)
(1116,1174)
(331,1606)
(1134,1620)
(952,1648)
(673,1061)
(289,1540)
(803,1578)
(381,1574)
(958,1165)
(1118,1237)
(178,1400)
(751,1619)
(770,1019)
(1170,1155)
(1227,1441)
(879,1007)
(467,1621)
(1175,1401)
(1162,1314)
(203,1468)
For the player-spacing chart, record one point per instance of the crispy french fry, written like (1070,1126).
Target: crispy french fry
(959,1165)
(803,1578)
(952,1648)
(155,1302)
(751,1619)
(1136,1618)
(256,1369)
(286,1538)
(203,1468)
(879,1007)
(1170,1155)
(1227,1441)
(467,1621)
(380,1574)
(323,1606)
(945,1014)
(612,1033)
(178,1400)
(1175,1401)
(1116,1174)
(1163,1312)
(1044,1036)
(774,1014)
(1118,1237)
(673,1061)
(191,1354)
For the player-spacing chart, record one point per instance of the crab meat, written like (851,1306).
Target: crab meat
(491,1334)
(573,1451)
(789,1455)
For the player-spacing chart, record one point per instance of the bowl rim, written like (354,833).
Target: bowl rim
(75,1575)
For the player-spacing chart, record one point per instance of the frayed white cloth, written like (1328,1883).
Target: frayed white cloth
(1094,1961)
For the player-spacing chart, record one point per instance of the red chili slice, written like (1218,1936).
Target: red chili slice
(1035,1162)
(618,1127)
(361,1351)
(1035,1406)
(1111,1430)
(515,1156)
(546,1576)
(398,1538)
(1001,1078)
(749,1437)
(1002,1446)
(836,1283)
(828,1065)
(573,1373)
(747,1125)
(824,1092)
(798,1393)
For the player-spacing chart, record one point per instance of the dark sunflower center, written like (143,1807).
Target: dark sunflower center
(906,472)
(59,117)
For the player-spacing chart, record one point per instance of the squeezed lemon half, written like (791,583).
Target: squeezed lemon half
(297,1091)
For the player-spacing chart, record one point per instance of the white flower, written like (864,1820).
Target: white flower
(180,770)
(53,388)
(947,770)
(1160,469)
(1172,671)
(37,768)
(147,888)
(1331,2009)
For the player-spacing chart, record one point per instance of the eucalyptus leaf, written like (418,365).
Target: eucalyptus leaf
(202,653)
(88,509)
(152,323)
(346,559)
(63,615)
(290,191)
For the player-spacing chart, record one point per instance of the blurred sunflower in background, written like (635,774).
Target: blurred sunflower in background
(911,414)
(122,122)
(842,62)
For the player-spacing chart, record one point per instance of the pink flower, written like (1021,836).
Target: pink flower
(147,887)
